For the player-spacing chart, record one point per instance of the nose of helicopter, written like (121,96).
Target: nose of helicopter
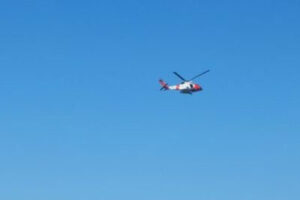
(198,87)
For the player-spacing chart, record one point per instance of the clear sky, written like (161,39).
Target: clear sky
(82,117)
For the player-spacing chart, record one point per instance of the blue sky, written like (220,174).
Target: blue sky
(82,116)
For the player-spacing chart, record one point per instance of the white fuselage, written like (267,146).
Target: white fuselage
(181,86)
(186,87)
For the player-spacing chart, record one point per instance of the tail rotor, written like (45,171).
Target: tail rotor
(164,85)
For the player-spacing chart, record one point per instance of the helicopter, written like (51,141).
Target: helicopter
(185,87)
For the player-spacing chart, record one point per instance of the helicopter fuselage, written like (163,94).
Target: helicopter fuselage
(186,87)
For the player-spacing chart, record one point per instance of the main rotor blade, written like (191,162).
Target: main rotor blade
(179,76)
(199,75)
